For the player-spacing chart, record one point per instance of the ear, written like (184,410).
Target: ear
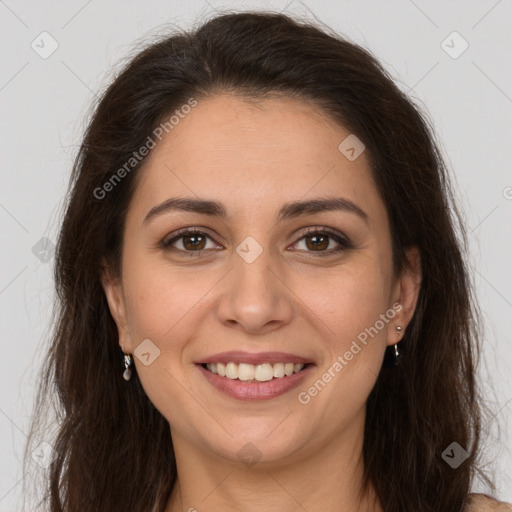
(405,292)
(113,288)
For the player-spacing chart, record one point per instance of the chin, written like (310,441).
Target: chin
(261,440)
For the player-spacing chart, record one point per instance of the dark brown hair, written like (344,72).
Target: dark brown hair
(113,449)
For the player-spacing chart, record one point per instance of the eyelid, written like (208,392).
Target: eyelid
(167,241)
(340,238)
(327,230)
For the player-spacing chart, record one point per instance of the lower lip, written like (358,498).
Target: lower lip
(252,391)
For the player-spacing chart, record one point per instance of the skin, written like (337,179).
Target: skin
(254,157)
(484,503)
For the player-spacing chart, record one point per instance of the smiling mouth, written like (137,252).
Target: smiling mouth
(254,373)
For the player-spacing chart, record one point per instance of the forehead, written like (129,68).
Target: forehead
(229,128)
(246,152)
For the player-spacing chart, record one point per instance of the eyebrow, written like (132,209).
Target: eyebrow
(287,211)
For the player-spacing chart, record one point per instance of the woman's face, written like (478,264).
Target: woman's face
(263,284)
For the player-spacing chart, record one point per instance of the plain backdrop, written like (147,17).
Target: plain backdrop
(463,80)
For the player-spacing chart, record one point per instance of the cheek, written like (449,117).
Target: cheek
(354,336)
(158,306)
(158,297)
(347,301)
(355,340)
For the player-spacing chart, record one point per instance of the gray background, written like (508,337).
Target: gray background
(44,103)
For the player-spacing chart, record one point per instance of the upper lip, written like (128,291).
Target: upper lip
(253,358)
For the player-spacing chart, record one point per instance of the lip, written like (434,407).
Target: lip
(254,358)
(253,391)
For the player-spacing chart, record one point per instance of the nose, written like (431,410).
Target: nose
(254,295)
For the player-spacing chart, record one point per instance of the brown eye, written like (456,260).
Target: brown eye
(319,240)
(194,241)
(323,242)
(188,241)
(315,242)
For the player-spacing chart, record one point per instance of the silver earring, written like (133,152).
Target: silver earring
(127,374)
(397,352)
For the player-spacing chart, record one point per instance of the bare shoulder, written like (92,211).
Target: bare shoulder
(484,503)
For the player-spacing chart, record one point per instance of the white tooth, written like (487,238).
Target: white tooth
(264,372)
(232,371)
(288,369)
(278,369)
(245,371)
(209,366)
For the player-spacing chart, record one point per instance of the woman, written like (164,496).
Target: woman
(264,305)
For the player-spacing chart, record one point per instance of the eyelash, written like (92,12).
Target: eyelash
(343,241)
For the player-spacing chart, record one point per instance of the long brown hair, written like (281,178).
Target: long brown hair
(113,449)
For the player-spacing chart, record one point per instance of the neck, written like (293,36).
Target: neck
(326,479)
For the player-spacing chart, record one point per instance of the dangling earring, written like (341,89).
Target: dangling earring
(127,374)
(397,354)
